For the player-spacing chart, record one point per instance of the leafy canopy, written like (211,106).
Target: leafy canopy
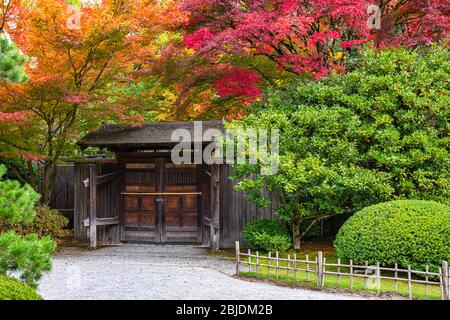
(376,133)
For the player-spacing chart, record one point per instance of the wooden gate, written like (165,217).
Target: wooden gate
(161,201)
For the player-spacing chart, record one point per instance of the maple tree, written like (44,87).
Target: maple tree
(307,38)
(78,51)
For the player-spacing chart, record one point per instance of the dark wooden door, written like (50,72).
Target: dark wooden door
(161,202)
(139,202)
(181,203)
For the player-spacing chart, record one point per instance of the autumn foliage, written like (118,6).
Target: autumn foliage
(139,60)
(310,38)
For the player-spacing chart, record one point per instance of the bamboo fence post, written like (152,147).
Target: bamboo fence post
(365,275)
(351,274)
(378,278)
(445,281)
(441,283)
(427,268)
(307,268)
(319,268)
(409,283)
(237,257)
(289,265)
(249,261)
(324,269)
(338,270)
(268,264)
(395,278)
(295,267)
(276,264)
(257,262)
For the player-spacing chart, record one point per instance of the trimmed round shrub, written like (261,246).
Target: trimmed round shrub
(12,289)
(268,235)
(407,232)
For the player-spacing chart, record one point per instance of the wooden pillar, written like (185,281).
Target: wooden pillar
(92,205)
(215,212)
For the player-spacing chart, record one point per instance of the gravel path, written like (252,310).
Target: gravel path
(157,272)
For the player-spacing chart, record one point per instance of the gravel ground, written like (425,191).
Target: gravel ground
(157,272)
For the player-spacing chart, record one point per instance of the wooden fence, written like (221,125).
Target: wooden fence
(317,269)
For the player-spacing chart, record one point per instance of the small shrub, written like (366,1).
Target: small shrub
(48,222)
(268,235)
(409,232)
(12,289)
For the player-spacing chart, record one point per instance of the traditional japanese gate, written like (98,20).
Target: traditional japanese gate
(149,199)
(141,196)
(161,201)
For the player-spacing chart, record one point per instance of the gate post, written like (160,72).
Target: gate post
(215,217)
(92,206)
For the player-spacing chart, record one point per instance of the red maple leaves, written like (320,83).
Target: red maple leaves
(307,37)
(238,82)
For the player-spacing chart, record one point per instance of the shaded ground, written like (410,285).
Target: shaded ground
(157,272)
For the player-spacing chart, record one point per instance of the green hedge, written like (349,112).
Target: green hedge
(268,235)
(12,289)
(407,232)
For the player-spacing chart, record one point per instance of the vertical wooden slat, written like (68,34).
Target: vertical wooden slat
(307,267)
(427,268)
(366,264)
(289,265)
(276,264)
(445,281)
(351,274)
(409,283)
(268,264)
(257,262)
(338,270)
(324,271)
(295,267)
(249,260)
(378,278)
(395,277)
(92,206)
(319,266)
(215,218)
(237,257)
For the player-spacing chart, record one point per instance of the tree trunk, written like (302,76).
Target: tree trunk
(296,235)
(48,178)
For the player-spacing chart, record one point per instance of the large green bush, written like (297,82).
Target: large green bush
(268,235)
(11,289)
(377,133)
(408,232)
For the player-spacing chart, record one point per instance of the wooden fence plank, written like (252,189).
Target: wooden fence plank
(409,283)
(92,206)
(237,257)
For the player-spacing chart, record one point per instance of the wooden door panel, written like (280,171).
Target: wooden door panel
(172,219)
(172,202)
(190,202)
(189,220)
(131,203)
(132,218)
(148,203)
(148,219)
